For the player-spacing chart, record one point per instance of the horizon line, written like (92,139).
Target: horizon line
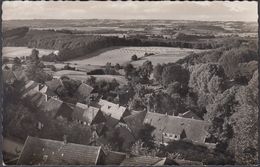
(129,19)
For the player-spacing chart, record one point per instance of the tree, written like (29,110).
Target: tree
(134,58)
(17,64)
(34,68)
(129,70)
(157,72)
(174,72)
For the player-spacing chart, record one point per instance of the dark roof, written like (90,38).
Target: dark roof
(45,89)
(135,122)
(52,106)
(38,151)
(83,91)
(86,113)
(65,111)
(195,130)
(54,84)
(143,160)
(114,158)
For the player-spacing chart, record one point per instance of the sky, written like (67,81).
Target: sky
(172,10)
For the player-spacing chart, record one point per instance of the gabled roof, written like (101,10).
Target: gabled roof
(45,89)
(8,76)
(114,158)
(37,151)
(143,160)
(52,106)
(53,84)
(113,110)
(135,122)
(189,114)
(84,90)
(195,130)
(85,113)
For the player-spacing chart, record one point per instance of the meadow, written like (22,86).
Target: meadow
(12,52)
(123,55)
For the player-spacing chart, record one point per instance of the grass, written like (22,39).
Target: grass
(123,55)
(13,52)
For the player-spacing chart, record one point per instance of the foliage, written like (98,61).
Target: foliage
(34,68)
(134,58)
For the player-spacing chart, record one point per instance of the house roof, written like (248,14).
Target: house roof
(53,84)
(20,75)
(65,111)
(135,122)
(37,151)
(195,130)
(114,158)
(45,89)
(143,160)
(8,76)
(84,90)
(113,110)
(85,113)
(38,99)
(189,114)
(187,162)
(52,106)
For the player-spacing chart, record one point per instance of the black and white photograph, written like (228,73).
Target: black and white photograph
(130,83)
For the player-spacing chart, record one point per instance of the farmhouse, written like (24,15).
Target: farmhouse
(87,114)
(38,99)
(169,128)
(20,75)
(37,151)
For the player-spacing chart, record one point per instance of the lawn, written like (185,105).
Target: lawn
(13,52)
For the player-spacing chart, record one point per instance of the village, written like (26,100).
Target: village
(107,123)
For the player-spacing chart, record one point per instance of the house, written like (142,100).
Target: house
(52,106)
(37,151)
(189,114)
(147,160)
(20,75)
(169,128)
(54,84)
(65,111)
(135,122)
(8,76)
(30,88)
(46,90)
(113,112)
(38,99)
(87,114)
(83,91)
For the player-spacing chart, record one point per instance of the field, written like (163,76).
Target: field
(123,55)
(79,75)
(13,52)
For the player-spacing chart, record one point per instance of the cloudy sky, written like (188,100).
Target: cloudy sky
(176,10)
